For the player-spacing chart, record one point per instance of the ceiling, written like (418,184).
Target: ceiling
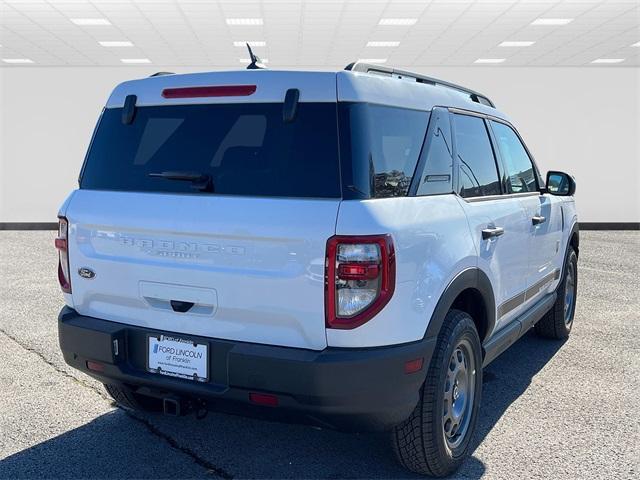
(306,33)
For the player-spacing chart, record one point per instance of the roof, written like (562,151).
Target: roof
(314,86)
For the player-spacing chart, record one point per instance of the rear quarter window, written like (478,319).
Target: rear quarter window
(380,147)
(246,149)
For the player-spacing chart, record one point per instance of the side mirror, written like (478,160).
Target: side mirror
(560,183)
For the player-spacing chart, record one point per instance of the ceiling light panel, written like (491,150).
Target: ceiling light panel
(398,21)
(17,60)
(135,60)
(372,60)
(323,34)
(87,22)
(490,60)
(516,43)
(245,21)
(252,43)
(383,44)
(552,21)
(608,60)
(117,43)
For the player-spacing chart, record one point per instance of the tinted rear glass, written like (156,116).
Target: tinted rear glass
(245,149)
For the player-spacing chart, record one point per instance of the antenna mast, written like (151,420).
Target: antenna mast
(256,63)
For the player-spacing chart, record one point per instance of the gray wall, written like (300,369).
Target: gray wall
(582,120)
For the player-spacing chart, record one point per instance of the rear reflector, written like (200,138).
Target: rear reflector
(219,91)
(263,399)
(413,366)
(60,243)
(95,366)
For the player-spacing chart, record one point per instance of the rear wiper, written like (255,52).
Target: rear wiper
(199,181)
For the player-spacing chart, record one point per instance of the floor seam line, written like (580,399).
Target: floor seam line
(211,468)
(54,366)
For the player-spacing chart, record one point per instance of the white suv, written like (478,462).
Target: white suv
(347,248)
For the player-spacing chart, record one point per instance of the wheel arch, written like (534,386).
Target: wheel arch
(470,291)
(573,241)
(574,238)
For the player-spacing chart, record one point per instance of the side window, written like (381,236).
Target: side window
(522,176)
(438,165)
(478,171)
(381,144)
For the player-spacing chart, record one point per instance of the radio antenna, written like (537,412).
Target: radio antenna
(256,63)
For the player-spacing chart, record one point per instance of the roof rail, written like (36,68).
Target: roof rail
(160,74)
(403,74)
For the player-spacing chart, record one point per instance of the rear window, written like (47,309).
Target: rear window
(379,148)
(243,149)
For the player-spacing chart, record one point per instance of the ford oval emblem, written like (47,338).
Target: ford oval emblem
(85,272)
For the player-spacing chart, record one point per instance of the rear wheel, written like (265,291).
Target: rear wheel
(558,321)
(435,439)
(127,399)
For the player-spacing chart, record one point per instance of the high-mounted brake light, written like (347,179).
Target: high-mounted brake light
(212,91)
(62,244)
(360,278)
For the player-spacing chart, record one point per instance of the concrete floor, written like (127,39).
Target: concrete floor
(549,409)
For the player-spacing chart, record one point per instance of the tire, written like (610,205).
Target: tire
(558,321)
(422,443)
(129,400)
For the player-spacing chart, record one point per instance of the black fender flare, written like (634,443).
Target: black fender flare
(470,278)
(575,230)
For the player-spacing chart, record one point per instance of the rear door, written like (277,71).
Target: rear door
(209,219)
(498,223)
(543,212)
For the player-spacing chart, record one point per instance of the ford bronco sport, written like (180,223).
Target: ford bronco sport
(347,249)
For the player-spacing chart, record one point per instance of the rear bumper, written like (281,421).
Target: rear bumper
(347,389)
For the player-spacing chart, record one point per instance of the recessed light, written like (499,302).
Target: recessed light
(608,60)
(116,44)
(552,21)
(258,43)
(516,44)
(135,60)
(490,60)
(372,60)
(637,44)
(90,21)
(17,60)
(247,60)
(245,21)
(382,44)
(397,21)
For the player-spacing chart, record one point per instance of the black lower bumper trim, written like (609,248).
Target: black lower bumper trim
(343,388)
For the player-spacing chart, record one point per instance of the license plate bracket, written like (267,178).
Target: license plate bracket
(178,357)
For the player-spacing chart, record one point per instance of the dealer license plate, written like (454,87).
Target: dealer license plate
(178,357)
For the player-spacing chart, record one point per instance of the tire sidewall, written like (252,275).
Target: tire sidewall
(572,259)
(465,329)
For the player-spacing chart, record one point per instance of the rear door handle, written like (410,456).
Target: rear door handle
(538,219)
(492,232)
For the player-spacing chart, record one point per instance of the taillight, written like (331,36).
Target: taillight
(360,278)
(62,244)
